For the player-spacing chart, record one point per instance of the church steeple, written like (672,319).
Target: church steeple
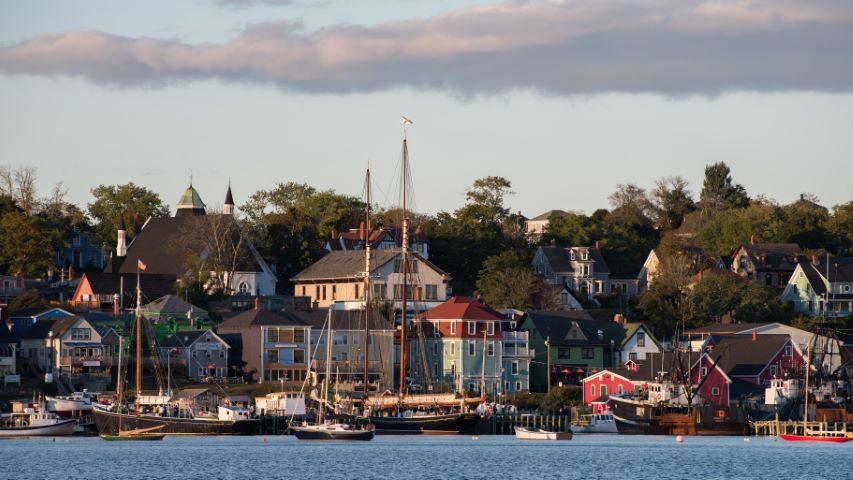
(228,207)
(121,240)
(190,203)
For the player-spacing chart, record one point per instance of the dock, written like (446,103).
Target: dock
(774,428)
(505,424)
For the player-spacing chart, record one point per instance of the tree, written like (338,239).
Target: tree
(486,198)
(20,184)
(671,201)
(25,245)
(840,228)
(505,281)
(719,295)
(114,201)
(804,222)
(571,230)
(560,399)
(630,205)
(28,299)
(762,220)
(719,192)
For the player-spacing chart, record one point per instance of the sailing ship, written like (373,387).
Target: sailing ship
(326,429)
(406,413)
(671,408)
(813,435)
(114,421)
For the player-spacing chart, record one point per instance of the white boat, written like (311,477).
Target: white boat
(595,423)
(33,421)
(76,402)
(523,433)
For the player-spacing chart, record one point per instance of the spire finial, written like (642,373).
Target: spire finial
(191,179)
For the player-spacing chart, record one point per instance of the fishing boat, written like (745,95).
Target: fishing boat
(405,413)
(33,421)
(326,429)
(595,423)
(523,433)
(815,435)
(75,403)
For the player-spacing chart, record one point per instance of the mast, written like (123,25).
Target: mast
(119,388)
(138,336)
(806,407)
(483,368)
(404,264)
(367,230)
(328,368)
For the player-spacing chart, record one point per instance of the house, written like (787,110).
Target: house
(10,287)
(8,351)
(572,342)
(582,270)
(458,345)
(648,272)
(638,342)
(339,276)
(538,224)
(768,264)
(24,319)
(67,345)
(115,292)
(80,252)
(598,386)
(822,287)
(157,246)
(516,356)
(829,349)
(275,346)
(381,238)
(176,313)
(707,273)
(197,354)
(347,349)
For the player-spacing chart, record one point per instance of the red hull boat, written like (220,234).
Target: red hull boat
(814,438)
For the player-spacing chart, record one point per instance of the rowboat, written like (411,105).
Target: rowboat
(522,433)
(140,434)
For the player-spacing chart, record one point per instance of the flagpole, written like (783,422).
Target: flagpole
(138,335)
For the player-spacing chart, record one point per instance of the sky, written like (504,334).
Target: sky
(566,99)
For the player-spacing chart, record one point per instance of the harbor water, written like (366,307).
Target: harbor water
(424,457)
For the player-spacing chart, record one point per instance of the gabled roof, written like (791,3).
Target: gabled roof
(40,312)
(743,356)
(559,258)
(152,285)
(343,319)
(712,272)
(262,317)
(632,327)
(353,239)
(725,328)
(188,337)
(840,271)
(462,308)
(349,264)
(550,213)
(172,305)
(772,256)
(43,327)
(563,329)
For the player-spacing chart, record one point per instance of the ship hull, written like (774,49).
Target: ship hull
(313,433)
(108,424)
(638,418)
(448,424)
(62,428)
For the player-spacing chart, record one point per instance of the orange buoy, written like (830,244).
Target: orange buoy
(679,439)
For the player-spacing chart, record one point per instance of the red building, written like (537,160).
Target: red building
(597,387)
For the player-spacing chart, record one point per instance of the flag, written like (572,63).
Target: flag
(140,265)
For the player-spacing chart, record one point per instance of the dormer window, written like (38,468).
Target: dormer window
(586,254)
(573,255)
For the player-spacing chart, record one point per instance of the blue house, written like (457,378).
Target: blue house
(81,252)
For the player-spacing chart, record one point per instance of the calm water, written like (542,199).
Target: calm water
(584,457)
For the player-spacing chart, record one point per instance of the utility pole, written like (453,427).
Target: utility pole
(548,360)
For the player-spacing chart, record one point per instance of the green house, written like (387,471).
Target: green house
(575,344)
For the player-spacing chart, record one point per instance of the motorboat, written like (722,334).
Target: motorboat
(333,431)
(71,404)
(33,421)
(595,423)
(524,433)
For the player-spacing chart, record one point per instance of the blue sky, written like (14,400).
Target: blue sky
(566,99)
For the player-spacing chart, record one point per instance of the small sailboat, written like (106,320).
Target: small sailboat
(524,433)
(326,429)
(811,435)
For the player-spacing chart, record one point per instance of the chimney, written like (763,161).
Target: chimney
(257,303)
(754,336)
(802,197)
(814,259)
(334,233)
(137,223)
(598,244)
(618,318)
(70,272)
(752,239)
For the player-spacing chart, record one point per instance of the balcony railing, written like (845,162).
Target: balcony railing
(81,360)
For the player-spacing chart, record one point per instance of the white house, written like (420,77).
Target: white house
(638,343)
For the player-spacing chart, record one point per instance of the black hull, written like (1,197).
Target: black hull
(107,423)
(633,418)
(429,424)
(353,435)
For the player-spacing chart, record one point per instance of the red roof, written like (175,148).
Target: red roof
(462,308)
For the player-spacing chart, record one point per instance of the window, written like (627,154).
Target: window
(272,356)
(517,386)
(453,368)
(272,335)
(324,292)
(787,350)
(587,353)
(342,356)
(317,292)
(490,328)
(435,329)
(564,353)
(490,349)
(334,292)
(357,291)
(299,335)
(222,353)
(303,290)
(506,386)
(715,391)
(380,291)
(620,388)
(641,339)
(453,326)
(243,288)
(632,356)
(472,328)
(514,369)
(432,292)
(773,370)
(564,299)
(202,371)
(299,356)
(355,339)
(604,390)
(592,391)
(768,279)
(340,339)
(435,369)
(435,348)
(81,334)
(470,349)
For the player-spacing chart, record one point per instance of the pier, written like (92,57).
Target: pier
(505,424)
(774,428)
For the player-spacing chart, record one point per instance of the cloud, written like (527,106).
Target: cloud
(672,47)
